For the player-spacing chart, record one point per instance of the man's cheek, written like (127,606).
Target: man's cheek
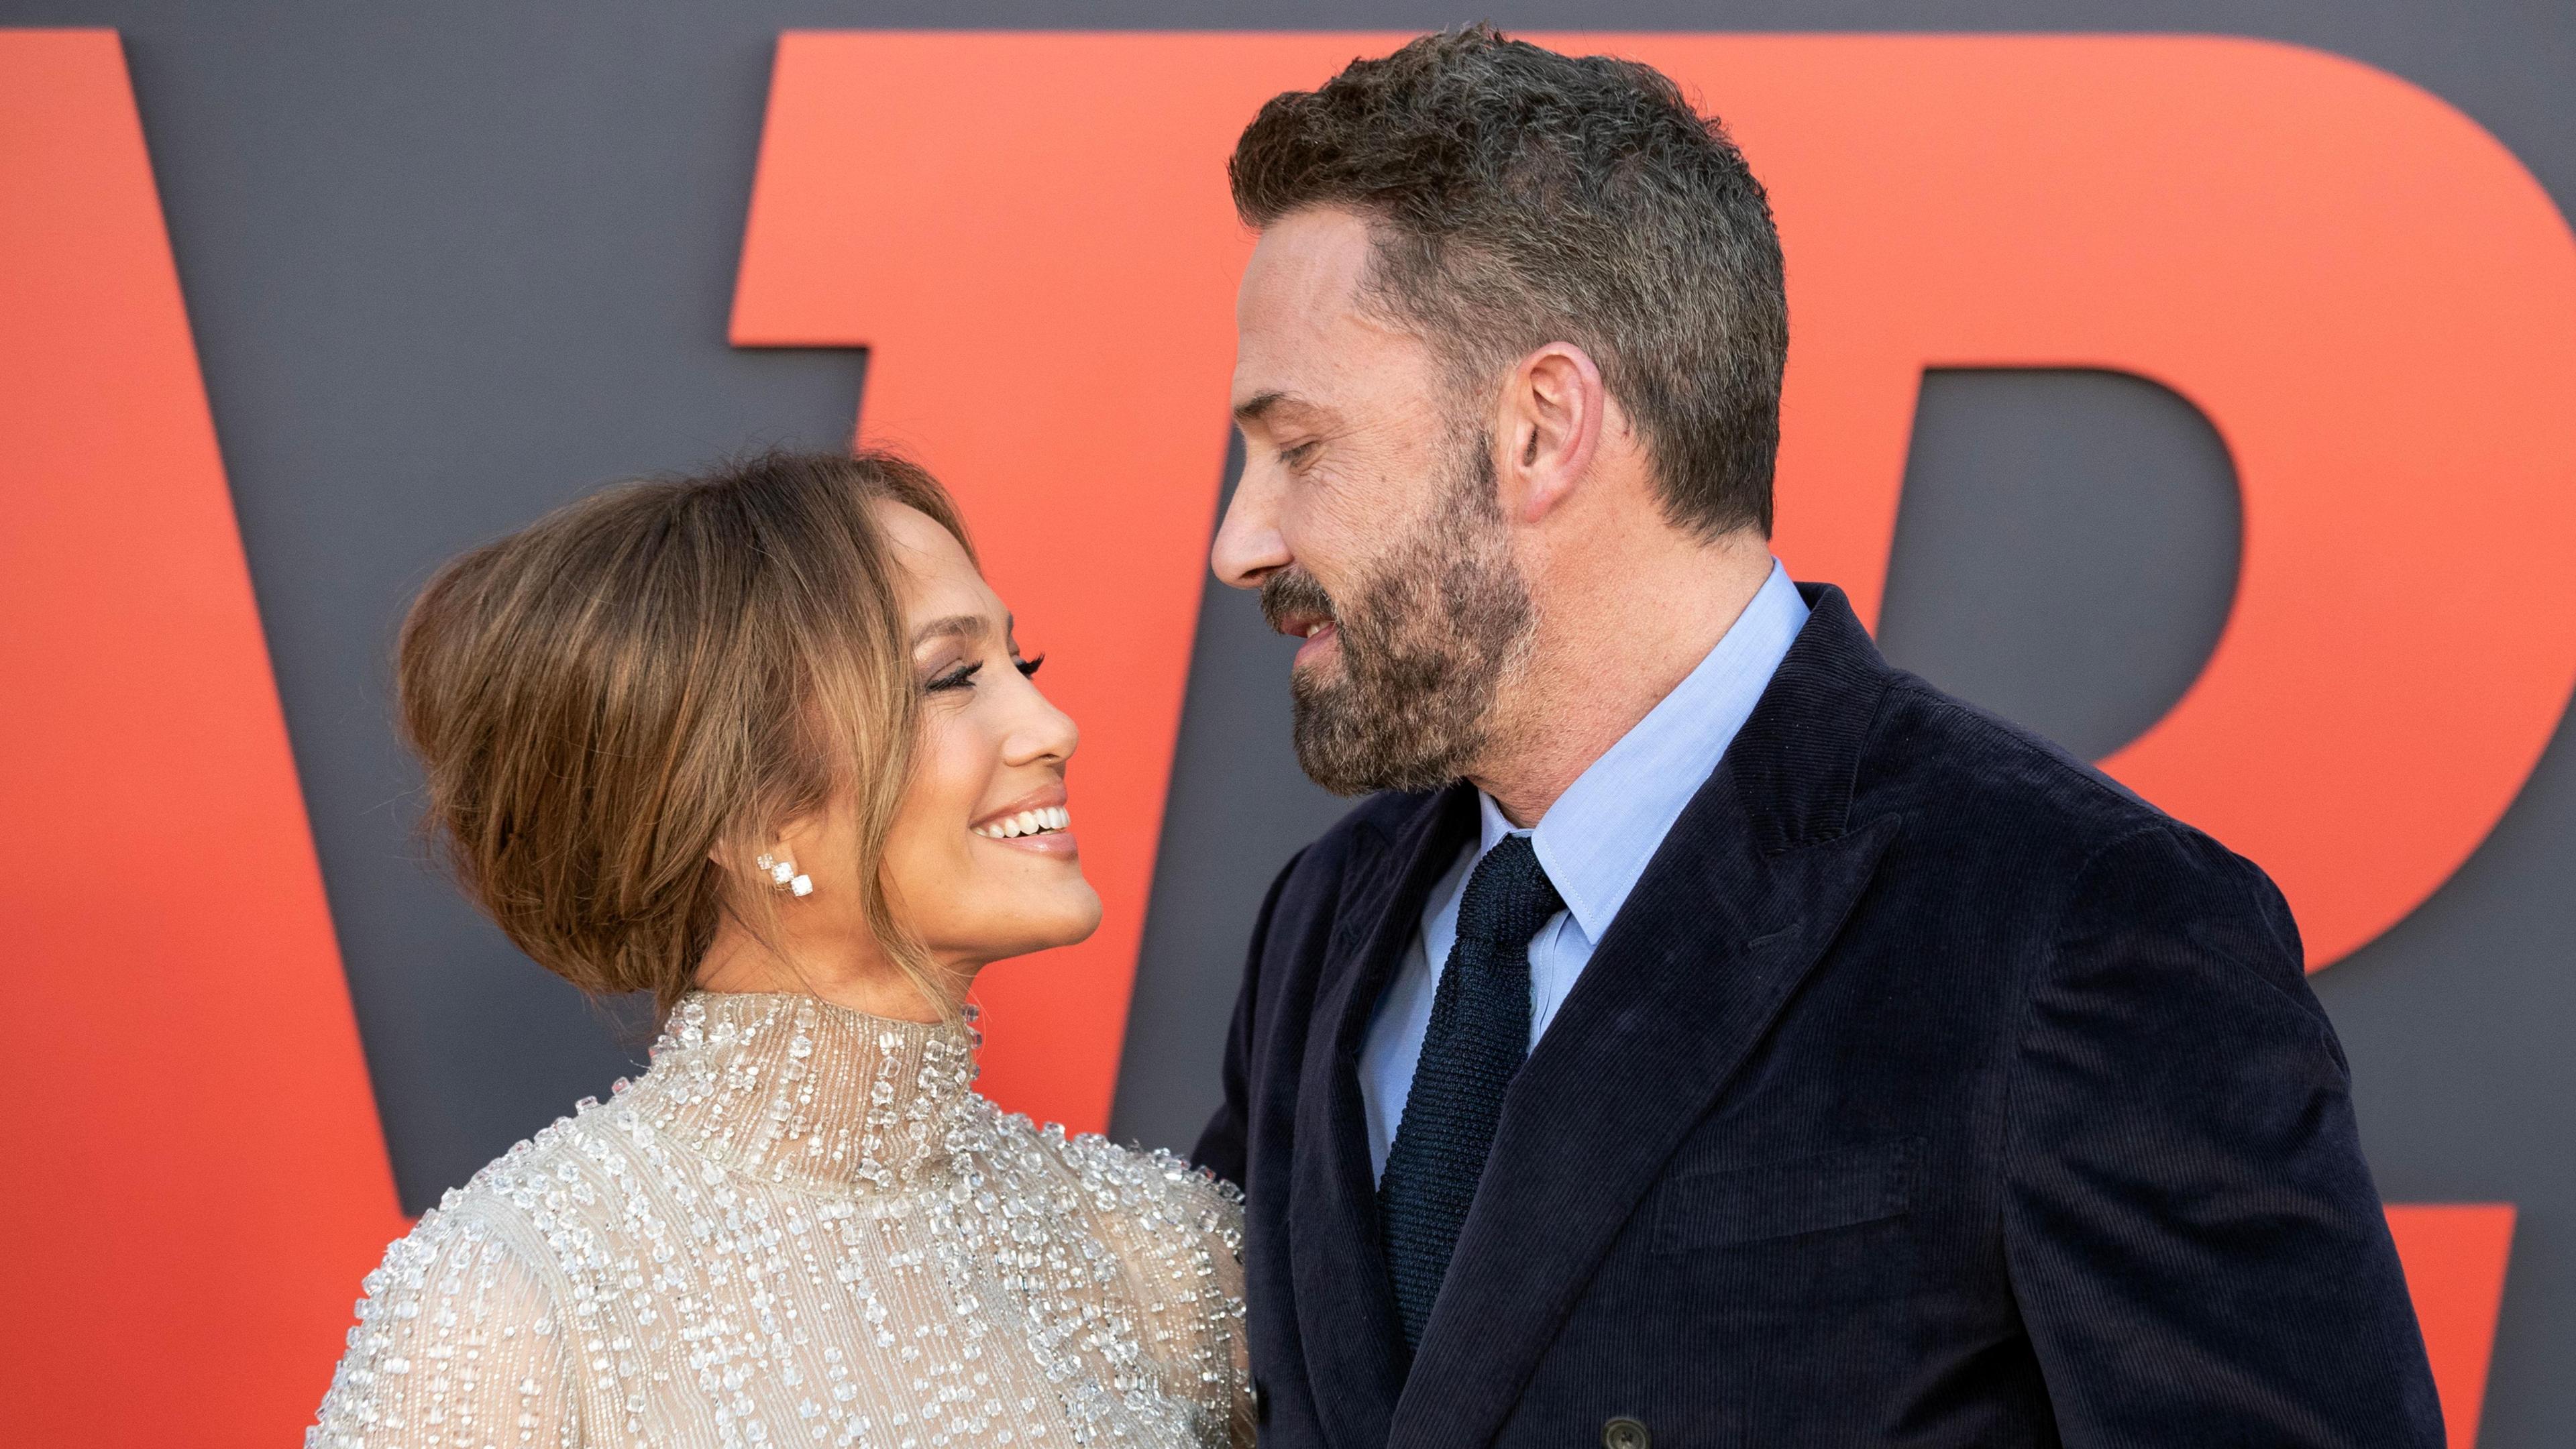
(1339,513)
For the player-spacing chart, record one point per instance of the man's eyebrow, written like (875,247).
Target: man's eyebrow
(963,626)
(1254,408)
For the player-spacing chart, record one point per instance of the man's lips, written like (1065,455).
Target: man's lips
(1316,628)
(1320,639)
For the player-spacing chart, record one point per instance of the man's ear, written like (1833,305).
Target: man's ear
(1553,411)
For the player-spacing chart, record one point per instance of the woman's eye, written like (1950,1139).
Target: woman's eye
(962,677)
(1028,667)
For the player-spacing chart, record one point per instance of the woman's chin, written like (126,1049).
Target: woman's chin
(1066,918)
(1081,919)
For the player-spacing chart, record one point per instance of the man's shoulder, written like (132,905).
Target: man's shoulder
(2000,822)
(1950,766)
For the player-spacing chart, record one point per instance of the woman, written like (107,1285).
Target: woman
(761,743)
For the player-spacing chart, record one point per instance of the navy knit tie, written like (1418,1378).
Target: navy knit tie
(1480,1021)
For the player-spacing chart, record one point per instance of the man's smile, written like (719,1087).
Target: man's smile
(1321,637)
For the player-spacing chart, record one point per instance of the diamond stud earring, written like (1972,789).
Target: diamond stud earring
(783,876)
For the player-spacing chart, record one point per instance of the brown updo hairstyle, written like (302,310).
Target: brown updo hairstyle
(658,677)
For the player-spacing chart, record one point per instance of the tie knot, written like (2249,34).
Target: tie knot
(1508,897)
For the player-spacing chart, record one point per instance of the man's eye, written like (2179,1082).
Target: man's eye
(961,677)
(1297,456)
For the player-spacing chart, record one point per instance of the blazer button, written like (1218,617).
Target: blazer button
(1623,1432)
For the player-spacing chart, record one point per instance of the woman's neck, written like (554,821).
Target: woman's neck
(857,977)
(795,1090)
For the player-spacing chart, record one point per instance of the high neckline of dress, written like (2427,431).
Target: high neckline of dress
(791,1088)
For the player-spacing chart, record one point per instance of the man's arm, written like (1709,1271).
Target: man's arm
(1222,1146)
(2193,1237)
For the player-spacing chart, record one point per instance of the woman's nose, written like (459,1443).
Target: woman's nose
(1042,732)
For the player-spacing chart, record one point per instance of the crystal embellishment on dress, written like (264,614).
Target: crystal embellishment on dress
(804,1226)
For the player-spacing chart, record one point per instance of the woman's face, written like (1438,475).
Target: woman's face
(981,862)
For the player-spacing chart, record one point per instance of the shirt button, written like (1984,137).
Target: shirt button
(1623,1432)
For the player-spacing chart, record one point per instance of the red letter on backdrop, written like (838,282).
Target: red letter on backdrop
(2455,1258)
(2374,303)
(195,1175)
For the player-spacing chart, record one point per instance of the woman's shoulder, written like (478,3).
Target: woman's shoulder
(472,1277)
(1161,1183)
(468,1235)
(493,1229)
(1178,1233)
(569,1159)
(569,1170)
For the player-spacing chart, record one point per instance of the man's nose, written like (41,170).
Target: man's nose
(1248,544)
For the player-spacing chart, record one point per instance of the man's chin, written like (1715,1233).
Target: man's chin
(1336,753)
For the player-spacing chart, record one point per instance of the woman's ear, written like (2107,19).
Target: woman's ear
(1553,410)
(783,875)
(773,868)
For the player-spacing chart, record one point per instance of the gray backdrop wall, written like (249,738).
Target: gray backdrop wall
(448,266)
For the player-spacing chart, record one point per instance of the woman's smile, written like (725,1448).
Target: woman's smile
(1038,823)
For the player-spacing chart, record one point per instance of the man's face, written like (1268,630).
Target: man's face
(1367,517)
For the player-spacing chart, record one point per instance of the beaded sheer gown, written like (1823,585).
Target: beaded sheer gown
(803,1226)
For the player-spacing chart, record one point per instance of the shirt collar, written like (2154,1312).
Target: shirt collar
(1596,840)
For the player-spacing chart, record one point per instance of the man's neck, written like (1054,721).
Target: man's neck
(1615,635)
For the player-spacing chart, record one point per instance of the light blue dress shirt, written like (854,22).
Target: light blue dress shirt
(1594,841)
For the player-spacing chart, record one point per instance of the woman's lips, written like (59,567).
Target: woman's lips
(1039,824)
(1057,843)
(1035,821)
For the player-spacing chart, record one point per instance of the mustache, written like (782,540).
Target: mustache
(1289,594)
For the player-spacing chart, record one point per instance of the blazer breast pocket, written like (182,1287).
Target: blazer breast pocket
(1840,1187)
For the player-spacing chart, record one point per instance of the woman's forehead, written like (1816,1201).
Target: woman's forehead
(942,592)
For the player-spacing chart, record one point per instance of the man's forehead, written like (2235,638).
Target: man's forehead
(1308,255)
(1299,319)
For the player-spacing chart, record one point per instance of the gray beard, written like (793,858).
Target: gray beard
(1425,641)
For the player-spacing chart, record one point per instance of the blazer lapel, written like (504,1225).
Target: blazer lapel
(1346,1319)
(1738,905)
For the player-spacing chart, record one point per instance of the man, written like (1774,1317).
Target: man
(1708,1034)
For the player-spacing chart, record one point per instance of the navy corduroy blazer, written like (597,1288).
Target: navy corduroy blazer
(1929,1090)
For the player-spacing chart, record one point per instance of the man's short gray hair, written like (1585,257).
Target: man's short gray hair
(1521,197)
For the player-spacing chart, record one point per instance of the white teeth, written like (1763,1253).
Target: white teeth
(1028,822)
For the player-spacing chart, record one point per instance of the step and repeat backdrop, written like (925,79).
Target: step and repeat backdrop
(2201,398)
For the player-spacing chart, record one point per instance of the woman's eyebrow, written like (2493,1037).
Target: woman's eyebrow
(963,626)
